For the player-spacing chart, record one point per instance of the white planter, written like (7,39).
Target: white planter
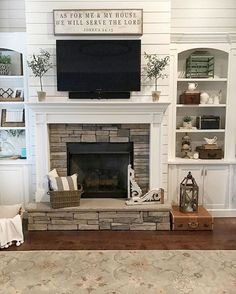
(41,95)
(156,96)
(187,125)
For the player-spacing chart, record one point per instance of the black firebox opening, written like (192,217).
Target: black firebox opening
(101,167)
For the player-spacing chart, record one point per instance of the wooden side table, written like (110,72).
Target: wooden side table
(195,221)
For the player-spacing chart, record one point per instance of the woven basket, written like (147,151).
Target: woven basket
(60,199)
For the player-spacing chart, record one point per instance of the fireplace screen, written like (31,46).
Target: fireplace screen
(101,167)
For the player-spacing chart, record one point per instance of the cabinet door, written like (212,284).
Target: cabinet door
(216,182)
(11,185)
(197,173)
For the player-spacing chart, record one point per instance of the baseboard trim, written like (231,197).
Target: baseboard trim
(223,212)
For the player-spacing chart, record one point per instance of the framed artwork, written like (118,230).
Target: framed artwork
(98,21)
(18,93)
(13,118)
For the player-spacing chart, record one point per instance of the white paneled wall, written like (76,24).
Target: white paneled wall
(12,16)
(208,16)
(155,39)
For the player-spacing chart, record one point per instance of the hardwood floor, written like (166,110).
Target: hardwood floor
(222,237)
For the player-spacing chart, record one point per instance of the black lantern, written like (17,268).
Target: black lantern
(188,201)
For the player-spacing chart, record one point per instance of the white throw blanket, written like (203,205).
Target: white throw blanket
(11,230)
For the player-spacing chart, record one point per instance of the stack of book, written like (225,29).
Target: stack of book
(210,146)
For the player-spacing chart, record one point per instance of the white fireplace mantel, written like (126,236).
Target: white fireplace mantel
(99,112)
(95,113)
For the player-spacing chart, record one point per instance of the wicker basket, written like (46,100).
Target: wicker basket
(60,199)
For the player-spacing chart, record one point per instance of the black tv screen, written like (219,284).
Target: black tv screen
(98,65)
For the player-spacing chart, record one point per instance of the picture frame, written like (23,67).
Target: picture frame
(4,123)
(18,93)
(104,22)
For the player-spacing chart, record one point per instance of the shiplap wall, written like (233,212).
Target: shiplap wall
(155,40)
(12,16)
(186,15)
(208,16)
(39,19)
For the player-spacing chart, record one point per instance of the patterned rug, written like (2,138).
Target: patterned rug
(116,272)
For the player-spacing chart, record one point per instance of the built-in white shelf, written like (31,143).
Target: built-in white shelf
(6,161)
(12,128)
(179,160)
(200,105)
(202,80)
(200,131)
(11,77)
(8,103)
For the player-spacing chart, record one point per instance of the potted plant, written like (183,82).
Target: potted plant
(187,122)
(39,65)
(154,70)
(5,61)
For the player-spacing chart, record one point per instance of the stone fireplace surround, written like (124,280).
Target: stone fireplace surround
(99,112)
(97,214)
(138,134)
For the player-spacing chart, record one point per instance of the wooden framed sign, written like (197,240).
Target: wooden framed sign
(98,22)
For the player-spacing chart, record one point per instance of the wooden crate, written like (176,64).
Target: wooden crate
(190,98)
(209,153)
(195,221)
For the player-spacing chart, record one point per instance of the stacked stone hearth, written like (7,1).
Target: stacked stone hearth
(42,217)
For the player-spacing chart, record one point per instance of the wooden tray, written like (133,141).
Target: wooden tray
(11,99)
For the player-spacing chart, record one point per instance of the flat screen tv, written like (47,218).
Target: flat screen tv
(95,66)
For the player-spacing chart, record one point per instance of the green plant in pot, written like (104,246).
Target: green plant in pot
(187,122)
(5,61)
(154,70)
(40,64)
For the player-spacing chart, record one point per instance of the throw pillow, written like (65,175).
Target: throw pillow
(51,176)
(53,173)
(64,183)
(9,211)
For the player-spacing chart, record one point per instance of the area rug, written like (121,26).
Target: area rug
(116,272)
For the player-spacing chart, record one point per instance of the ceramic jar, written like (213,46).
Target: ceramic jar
(204,96)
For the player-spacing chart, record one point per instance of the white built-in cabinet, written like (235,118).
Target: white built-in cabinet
(14,167)
(213,182)
(14,183)
(212,86)
(216,178)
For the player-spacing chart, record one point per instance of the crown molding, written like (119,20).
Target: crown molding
(200,37)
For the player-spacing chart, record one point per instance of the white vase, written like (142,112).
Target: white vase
(192,86)
(41,95)
(204,97)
